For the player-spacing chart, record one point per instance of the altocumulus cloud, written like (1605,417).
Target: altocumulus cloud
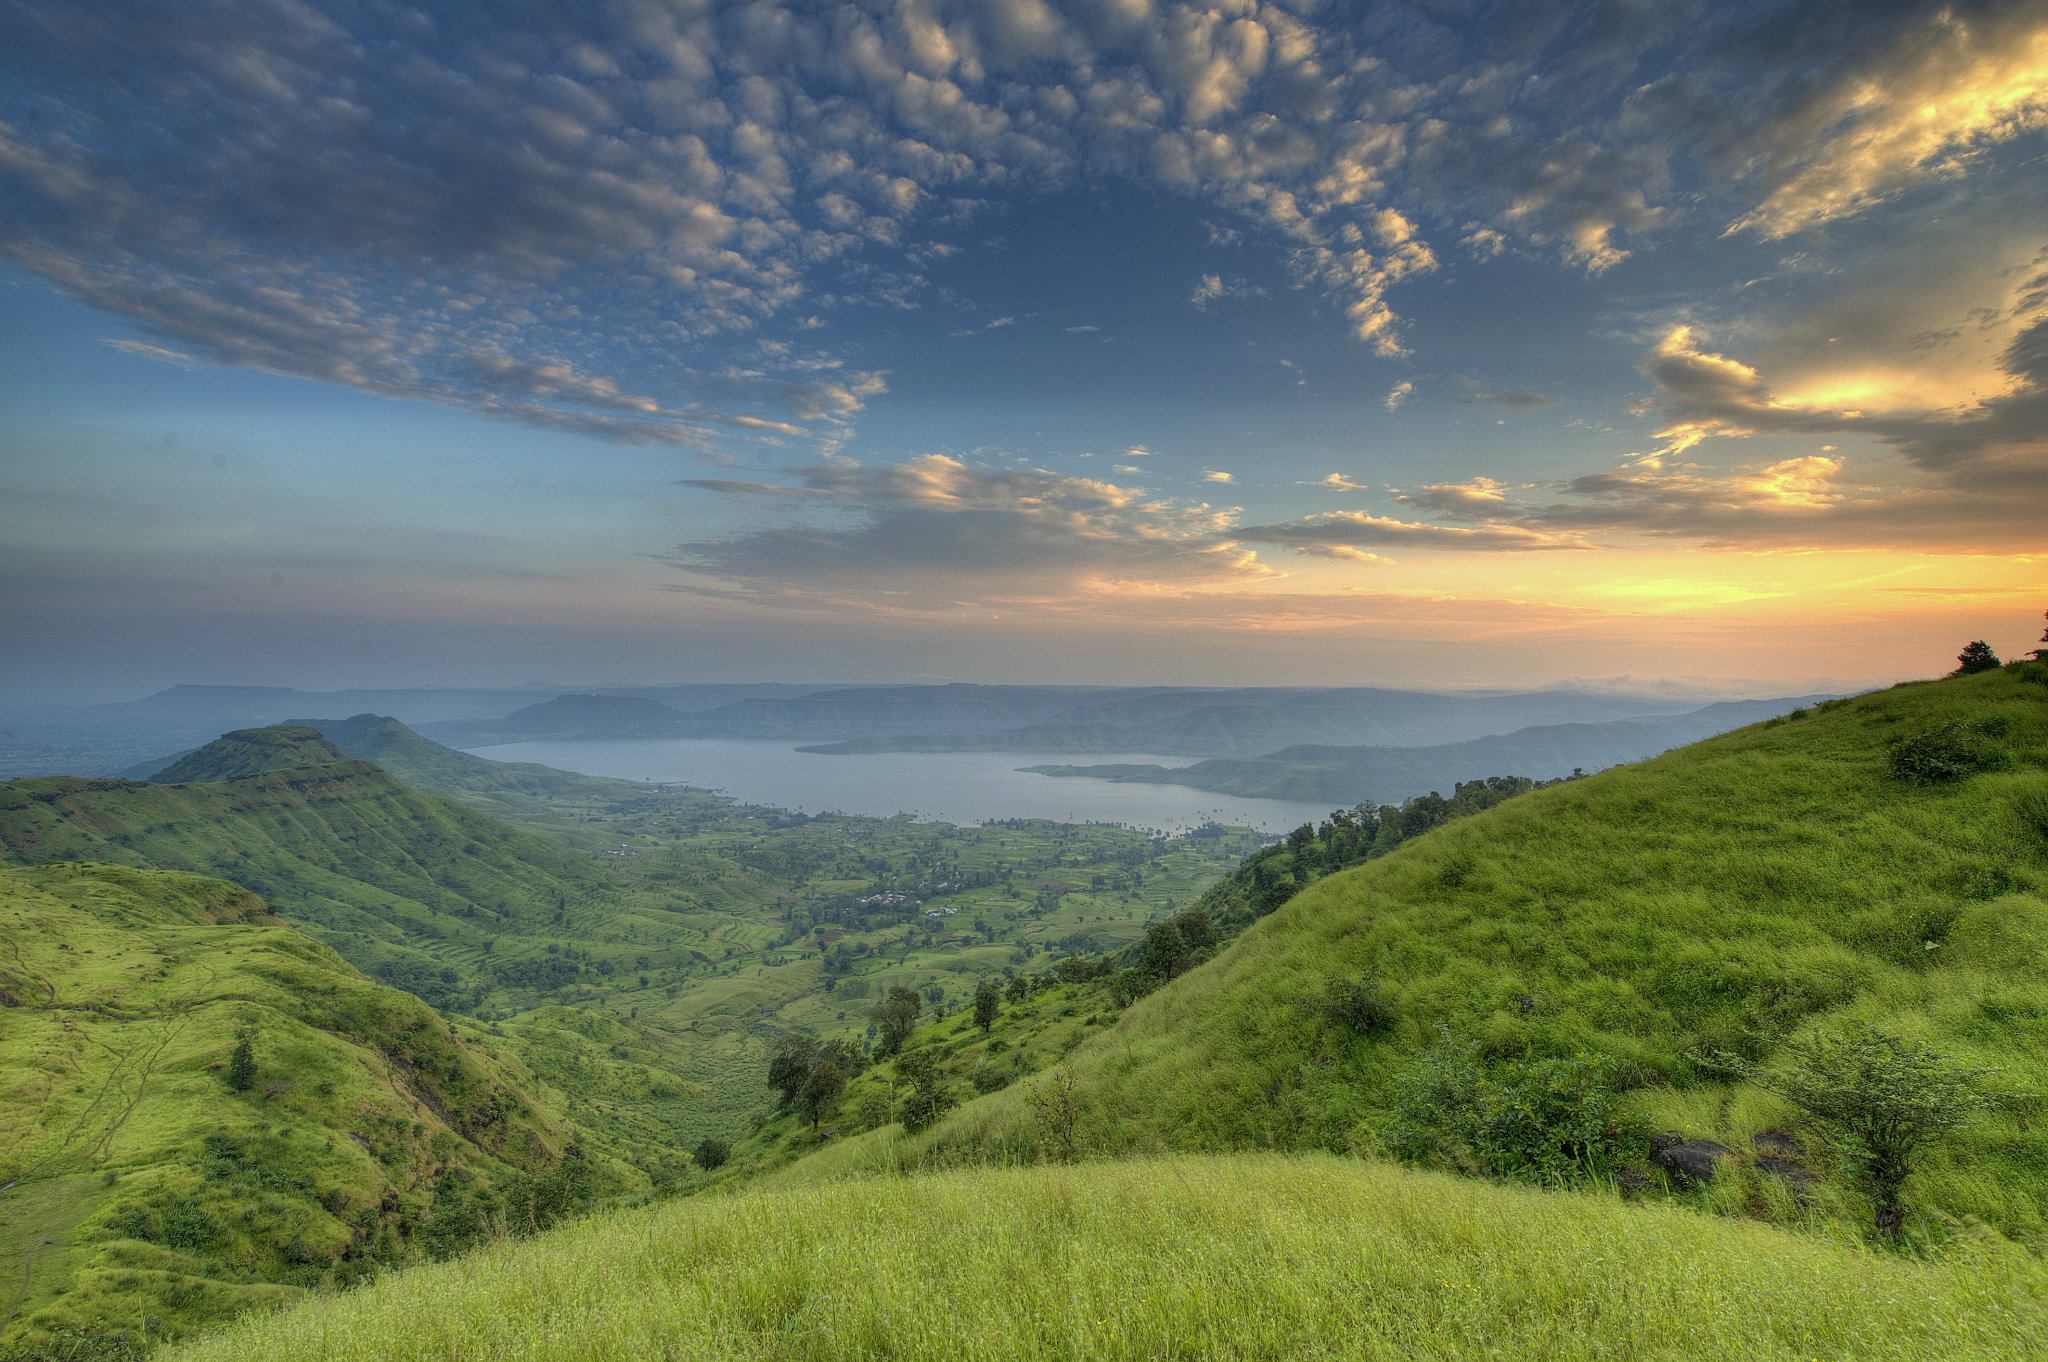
(599,217)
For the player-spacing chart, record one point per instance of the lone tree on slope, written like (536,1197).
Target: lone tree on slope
(242,1063)
(1977,657)
(986,1000)
(1880,1101)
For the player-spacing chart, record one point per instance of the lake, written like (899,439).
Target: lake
(956,787)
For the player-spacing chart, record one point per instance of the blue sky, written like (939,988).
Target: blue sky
(1113,341)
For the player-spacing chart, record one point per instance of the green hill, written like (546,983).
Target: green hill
(394,879)
(1244,1257)
(144,1192)
(1580,950)
(250,752)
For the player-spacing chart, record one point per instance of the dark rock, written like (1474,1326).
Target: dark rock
(1776,1143)
(1687,1161)
(1632,1181)
(1794,1174)
(1528,1005)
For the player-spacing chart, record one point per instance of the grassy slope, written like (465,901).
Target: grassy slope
(135,1187)
(1722,896)
(1247,1257)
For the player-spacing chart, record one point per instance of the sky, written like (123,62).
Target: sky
(1448,344)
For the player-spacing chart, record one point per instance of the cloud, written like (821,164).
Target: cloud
(1344,534)
(1472,392)
(1484,242)
(1479,498)
(1212,287)
(993,324)
(937,531)
(146,350)
(1972,480)
(1398,394)
(437,211)
(1337,482)
(1215,475)
(1957,80)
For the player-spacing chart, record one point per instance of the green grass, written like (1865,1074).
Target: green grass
(1243,1257)
(1725,896)
(139,1195)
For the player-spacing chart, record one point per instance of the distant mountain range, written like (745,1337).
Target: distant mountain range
(1172,721)
(1386,774)
(1183,721)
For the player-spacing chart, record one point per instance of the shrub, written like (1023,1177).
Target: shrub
(1357,1006)
(711,1154)
(1539,1120)
(1057,1115)
(1953,751)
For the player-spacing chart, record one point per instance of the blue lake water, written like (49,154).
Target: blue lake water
(957,787)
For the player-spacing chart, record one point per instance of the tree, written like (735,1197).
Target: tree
(927,1099)
(895,1019)
(1880,1101)
(242,1063)
(2041,653)
(790,1067)
(987,999)
(1977,657)
(1166,950)
(821,1090)
(712,1154)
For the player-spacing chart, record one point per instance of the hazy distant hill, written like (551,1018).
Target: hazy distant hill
(1348,775)
(590,715)
(1251,721)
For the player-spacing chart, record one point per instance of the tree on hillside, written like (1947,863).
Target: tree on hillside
(1165,951)
(2041,653)
(711,1153)
(820,1091)
(895,1019)
(987,999)
(790,1066)
(927,1099)
(242,1063)
(1977,657)
(1879,1099)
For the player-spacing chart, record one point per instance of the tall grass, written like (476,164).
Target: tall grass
(1242,1257)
